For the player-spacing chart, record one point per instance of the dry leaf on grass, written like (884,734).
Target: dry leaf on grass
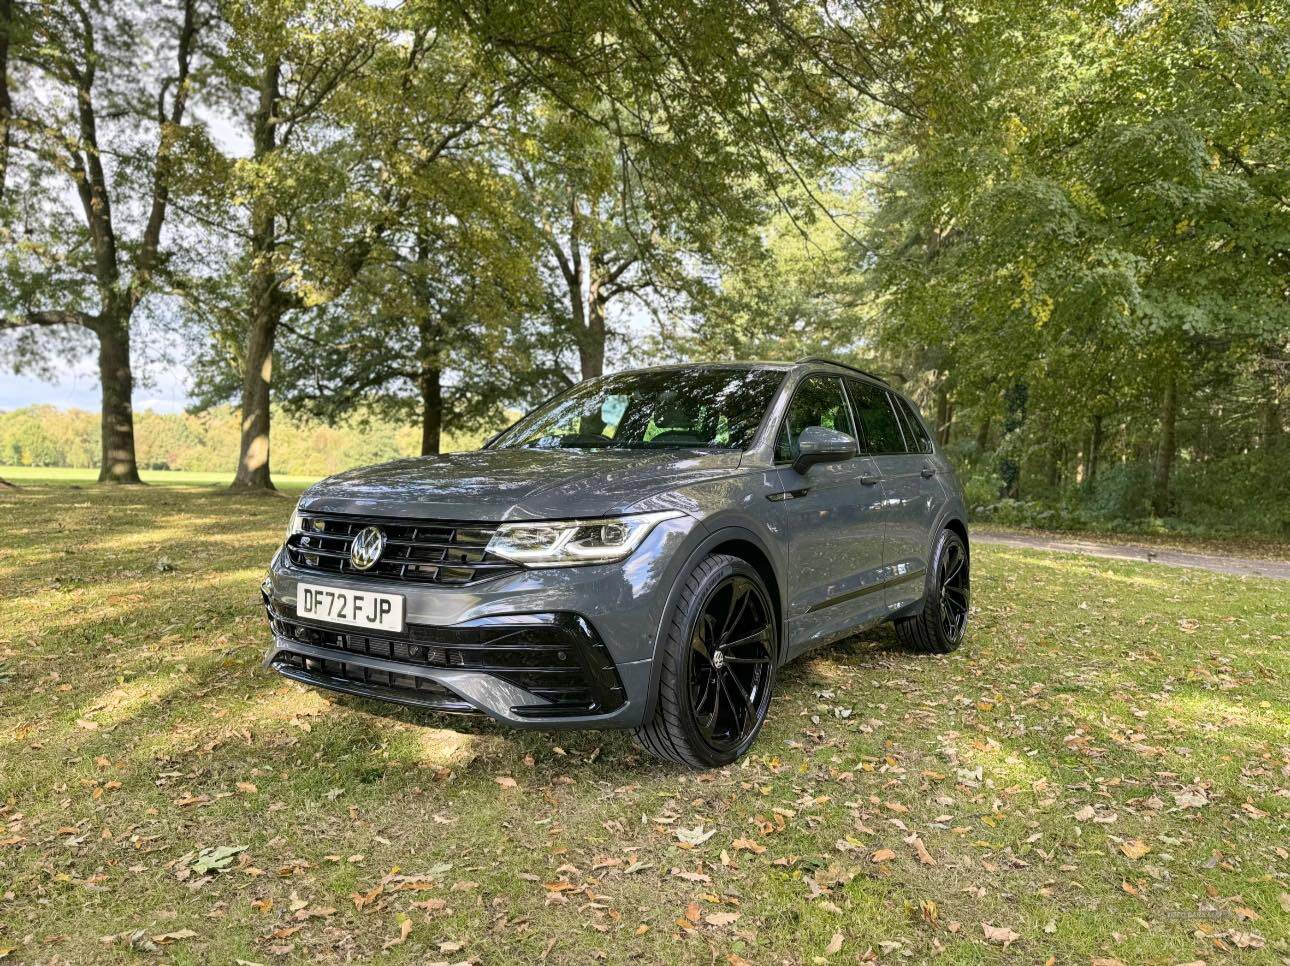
(999,934)
(1135,849)
(882,855)
(405,929)
(721,918)
(835,945)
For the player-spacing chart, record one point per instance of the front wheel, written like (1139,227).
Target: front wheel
(939,627)
(718,667)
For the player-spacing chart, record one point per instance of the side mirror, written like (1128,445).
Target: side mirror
(816,444)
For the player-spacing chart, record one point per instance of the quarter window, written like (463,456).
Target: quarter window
(873,409)
(819,401)
(920,442)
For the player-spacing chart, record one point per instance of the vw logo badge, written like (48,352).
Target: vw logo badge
(367,548)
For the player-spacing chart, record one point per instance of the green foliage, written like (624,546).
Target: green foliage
(45,436)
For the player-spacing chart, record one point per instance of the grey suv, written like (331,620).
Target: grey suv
(643,551)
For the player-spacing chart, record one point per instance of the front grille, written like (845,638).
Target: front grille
(558,657)
(419,551)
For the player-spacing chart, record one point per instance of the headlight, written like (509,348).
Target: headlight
(565,542)
(296,524)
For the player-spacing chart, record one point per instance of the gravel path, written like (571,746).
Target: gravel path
(1238,566)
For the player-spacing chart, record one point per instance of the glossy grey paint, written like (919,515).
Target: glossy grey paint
(726,497)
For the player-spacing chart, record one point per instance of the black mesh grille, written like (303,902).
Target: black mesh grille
(559,658)
(420,551)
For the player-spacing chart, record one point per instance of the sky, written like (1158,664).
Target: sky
(163,389)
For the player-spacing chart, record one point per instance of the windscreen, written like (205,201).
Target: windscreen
(659,408)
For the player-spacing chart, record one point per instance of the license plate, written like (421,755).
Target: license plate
(353,608)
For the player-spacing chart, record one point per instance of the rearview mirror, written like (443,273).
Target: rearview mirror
(817,444)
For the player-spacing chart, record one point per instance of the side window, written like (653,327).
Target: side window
(873,409)
(921,442)
(818,401)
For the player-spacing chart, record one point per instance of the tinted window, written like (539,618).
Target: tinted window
(659,408)
(921,442)
(818,401)
(877,418)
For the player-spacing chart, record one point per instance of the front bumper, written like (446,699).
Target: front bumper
(560,648)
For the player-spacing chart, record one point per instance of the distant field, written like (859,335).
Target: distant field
(73,475)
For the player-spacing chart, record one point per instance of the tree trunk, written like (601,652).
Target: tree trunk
(430,384)
(591,342)
(6,107)
(253,460)
(1094,448)
(1052,472)
(118,460)
(983,435)
(1270,430)
(431,410)
(944,414)
(265,307)
(1165,450)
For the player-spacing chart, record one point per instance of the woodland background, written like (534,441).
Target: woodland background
(372,230)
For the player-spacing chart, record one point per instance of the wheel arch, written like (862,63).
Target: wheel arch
(735,541)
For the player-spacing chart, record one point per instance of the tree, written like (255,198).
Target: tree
(1070,214)
(294,56)
(87,111)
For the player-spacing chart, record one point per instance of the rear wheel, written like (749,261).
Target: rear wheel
(718,667)
(939,627)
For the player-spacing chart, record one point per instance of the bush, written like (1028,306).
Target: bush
(1121,491)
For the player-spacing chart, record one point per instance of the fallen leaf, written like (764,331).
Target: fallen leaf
(405,929)
(882,855)
(174,937)
(999,934)
(212,860)
(694,836)
(920,850)
(835,945)
(1135,849)
(721,918)
(506,781)
(747,845)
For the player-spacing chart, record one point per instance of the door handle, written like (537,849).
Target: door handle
(870,480)
(927,472)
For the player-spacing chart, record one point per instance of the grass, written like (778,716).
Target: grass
(1101,771)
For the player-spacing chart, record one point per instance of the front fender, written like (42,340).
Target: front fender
(712,537)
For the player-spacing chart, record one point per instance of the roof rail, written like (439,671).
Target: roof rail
(831,362)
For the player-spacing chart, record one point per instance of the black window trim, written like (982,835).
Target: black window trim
(911,415)
(846,398)
(895,411)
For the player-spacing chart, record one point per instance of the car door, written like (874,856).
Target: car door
(913,495)
(835,549)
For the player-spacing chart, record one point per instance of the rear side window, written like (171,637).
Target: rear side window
(916,432)
(873,409)
(818,401)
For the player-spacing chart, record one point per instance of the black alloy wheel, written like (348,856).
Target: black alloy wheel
(954,591)
(730,663)
(941,622)
(717,667)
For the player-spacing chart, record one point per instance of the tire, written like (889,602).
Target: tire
(940,625)
(693,679)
